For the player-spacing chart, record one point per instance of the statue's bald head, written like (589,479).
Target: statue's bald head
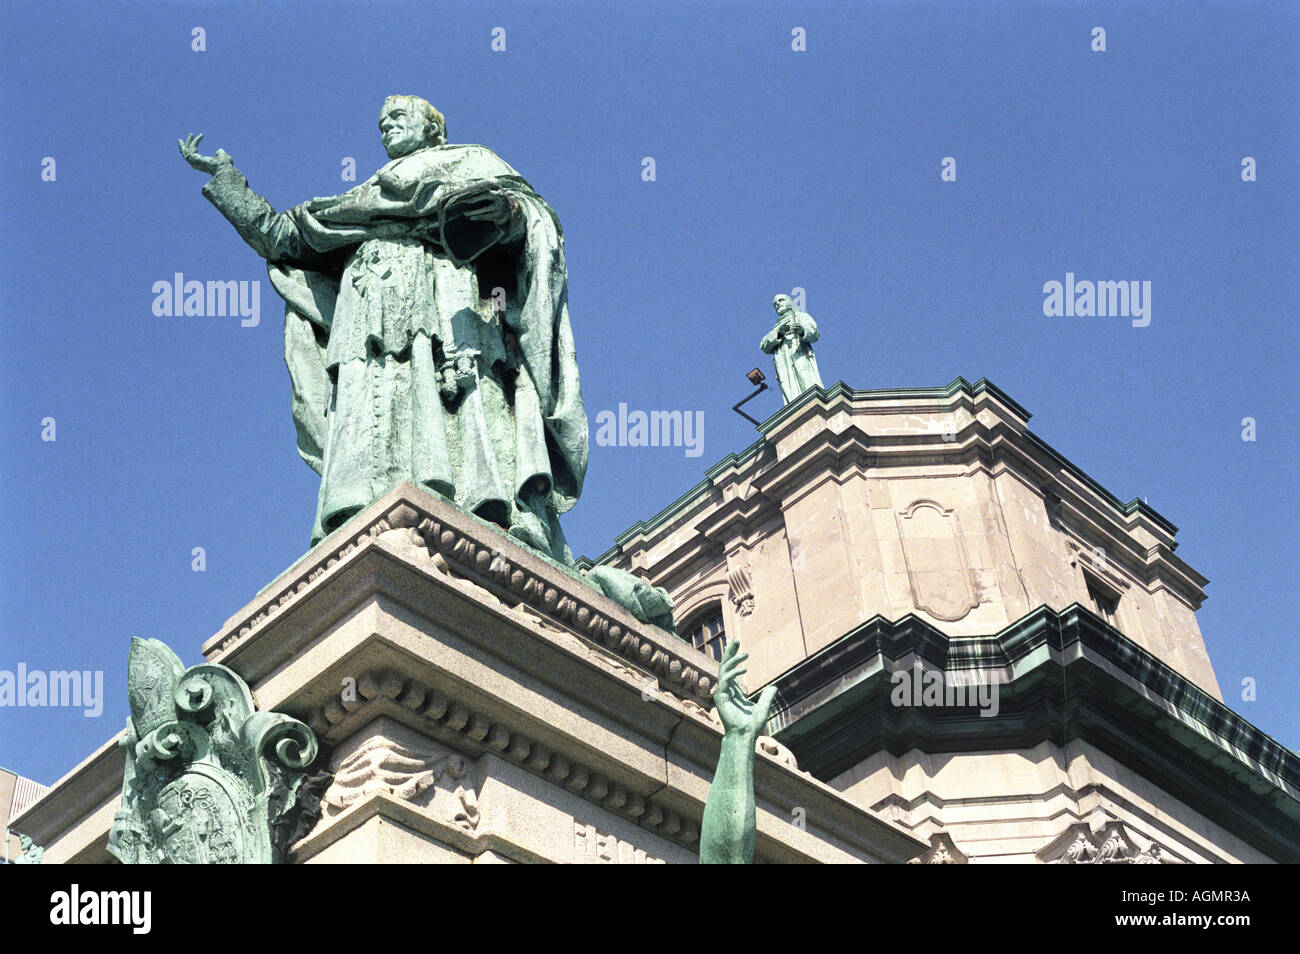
(408,123)
(782,304)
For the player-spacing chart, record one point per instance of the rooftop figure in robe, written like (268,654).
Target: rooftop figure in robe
(790,344)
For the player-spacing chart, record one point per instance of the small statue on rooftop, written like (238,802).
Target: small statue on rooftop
(790,344)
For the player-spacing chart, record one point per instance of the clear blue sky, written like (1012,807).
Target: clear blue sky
(775,169)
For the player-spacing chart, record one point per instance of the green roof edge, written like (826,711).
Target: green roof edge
(838,389)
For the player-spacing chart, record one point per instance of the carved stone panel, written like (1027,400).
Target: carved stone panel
(938,566)
(390,758)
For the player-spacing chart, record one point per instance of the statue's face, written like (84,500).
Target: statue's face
(402,127)
(783,304)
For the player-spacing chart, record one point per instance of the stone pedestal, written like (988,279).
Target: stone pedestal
(478,703)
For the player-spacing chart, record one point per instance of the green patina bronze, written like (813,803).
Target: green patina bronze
(32,852)
(208,780)
(651,604)
(426,330)
(428,339)
(790,344)
(728,830)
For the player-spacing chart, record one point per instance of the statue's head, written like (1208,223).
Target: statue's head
(408,123)
(783,304)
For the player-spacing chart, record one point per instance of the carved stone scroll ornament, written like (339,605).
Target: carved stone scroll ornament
(1109,845)
(208,780)
(942,851)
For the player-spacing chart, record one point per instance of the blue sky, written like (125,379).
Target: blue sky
(774,169)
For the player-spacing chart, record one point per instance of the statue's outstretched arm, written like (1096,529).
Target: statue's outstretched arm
(271,234)
(729,829)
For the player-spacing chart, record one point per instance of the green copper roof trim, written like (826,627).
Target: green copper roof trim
(1136,505)
(840,389)
(1012,646)
(736,460)
(833,709)
(645,526)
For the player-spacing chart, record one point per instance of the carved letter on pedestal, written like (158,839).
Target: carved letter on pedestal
(597,848)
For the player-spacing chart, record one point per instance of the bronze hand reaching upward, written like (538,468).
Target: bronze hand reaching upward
(729,830)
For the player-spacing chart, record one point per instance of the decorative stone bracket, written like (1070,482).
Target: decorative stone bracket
(942,852)
(740,583)
(1109,845)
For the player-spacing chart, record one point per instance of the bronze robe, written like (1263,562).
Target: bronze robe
(425,347)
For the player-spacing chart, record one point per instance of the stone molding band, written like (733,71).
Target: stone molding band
(478,730)
(511,580)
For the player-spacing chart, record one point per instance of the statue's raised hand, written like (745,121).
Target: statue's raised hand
(209,164)
(739,714)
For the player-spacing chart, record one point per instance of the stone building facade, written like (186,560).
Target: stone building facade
(872,543)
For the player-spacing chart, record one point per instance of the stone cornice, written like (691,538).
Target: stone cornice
(662,789)
(833,709)
(833,451)
(927,808)
(97,780)
(821,432)
(468,729)
(615,728)
(471,550)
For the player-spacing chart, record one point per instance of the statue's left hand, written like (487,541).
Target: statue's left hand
(738,713)
(484,203)
(209,164)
